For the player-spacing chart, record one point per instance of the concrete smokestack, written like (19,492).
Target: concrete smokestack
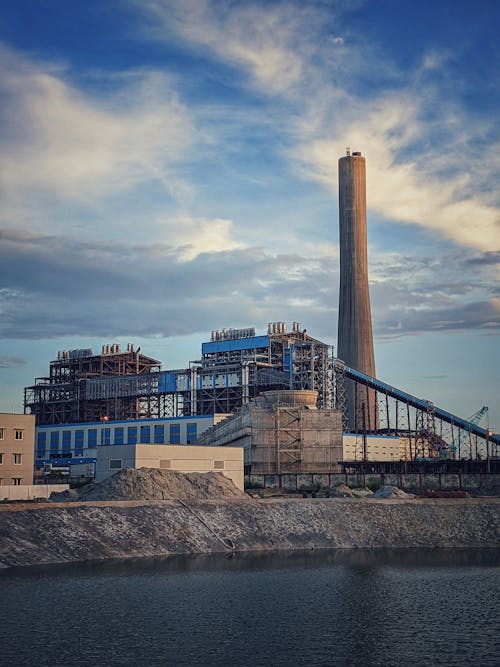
(355,338)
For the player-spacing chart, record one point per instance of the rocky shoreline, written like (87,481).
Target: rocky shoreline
(43,533)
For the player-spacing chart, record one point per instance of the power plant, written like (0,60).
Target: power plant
(249,381)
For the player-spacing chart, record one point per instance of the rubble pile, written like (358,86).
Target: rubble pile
(391,492)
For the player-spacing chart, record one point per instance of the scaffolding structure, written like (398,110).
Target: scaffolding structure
(62,396)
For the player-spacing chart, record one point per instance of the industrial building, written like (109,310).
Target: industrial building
(282,432)
(70,445)
(362,447)
(235,366)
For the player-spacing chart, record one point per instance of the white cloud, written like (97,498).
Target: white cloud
(432,188)
(194,236)
(68,144)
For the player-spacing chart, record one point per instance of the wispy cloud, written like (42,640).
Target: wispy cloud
(260,39)
(70,278)
(424,168)
(11,362)
(64,143)
(432,188)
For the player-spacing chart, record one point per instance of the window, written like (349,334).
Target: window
(165,463)
(16,481)
(115,464)
(175,434)
(19,434)
(118,436)
(132,435)
(92,437)
(79,435)
(1,458)
(54,442)
(2,431)
(145,434)
(159,434)
(18,458)
(219,465)
(41,445)
(106,436)
(66,443)
(191,430)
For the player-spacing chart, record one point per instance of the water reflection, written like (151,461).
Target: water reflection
(359,559)
(387,607)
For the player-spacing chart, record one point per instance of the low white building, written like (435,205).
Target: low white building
(378,447)
(182,458)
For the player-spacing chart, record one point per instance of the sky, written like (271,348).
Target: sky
(169,167)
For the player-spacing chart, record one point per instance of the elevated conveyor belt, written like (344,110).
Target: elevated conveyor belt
(418,403)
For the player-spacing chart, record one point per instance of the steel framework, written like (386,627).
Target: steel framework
(432,433)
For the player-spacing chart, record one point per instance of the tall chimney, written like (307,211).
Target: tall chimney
(355,338)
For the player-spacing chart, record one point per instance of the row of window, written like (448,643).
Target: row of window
(115,436)
(16,481)
(18,433)
(17,458)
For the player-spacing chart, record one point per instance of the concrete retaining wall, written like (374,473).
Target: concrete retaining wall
(30,491)
(483,484)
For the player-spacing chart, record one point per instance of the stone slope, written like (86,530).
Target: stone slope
(56,533)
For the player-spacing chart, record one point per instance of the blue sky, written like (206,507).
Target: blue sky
(168,168)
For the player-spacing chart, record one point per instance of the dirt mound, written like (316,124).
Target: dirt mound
(155,484)
(341,491)
(391,492)
(362,492)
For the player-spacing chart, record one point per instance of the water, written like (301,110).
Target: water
(335,608)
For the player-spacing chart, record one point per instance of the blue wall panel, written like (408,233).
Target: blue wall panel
(239,344)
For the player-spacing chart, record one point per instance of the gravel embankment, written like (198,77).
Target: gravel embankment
(39,533)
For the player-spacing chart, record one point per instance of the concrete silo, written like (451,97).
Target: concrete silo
(355,338)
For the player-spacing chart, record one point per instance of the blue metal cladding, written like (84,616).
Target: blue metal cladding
(167,382)
(106,436)
(159,434)
(175,434)
(191,432)
(230,345)
(145,435)
(132,435)
(118,436)
(286,360)
(66,443)
(79,439)
(41,444)
(92,438)
(54,442)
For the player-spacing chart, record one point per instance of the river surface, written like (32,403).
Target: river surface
(363,608)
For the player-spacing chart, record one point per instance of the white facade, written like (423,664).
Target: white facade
(227,460)
(378,447)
